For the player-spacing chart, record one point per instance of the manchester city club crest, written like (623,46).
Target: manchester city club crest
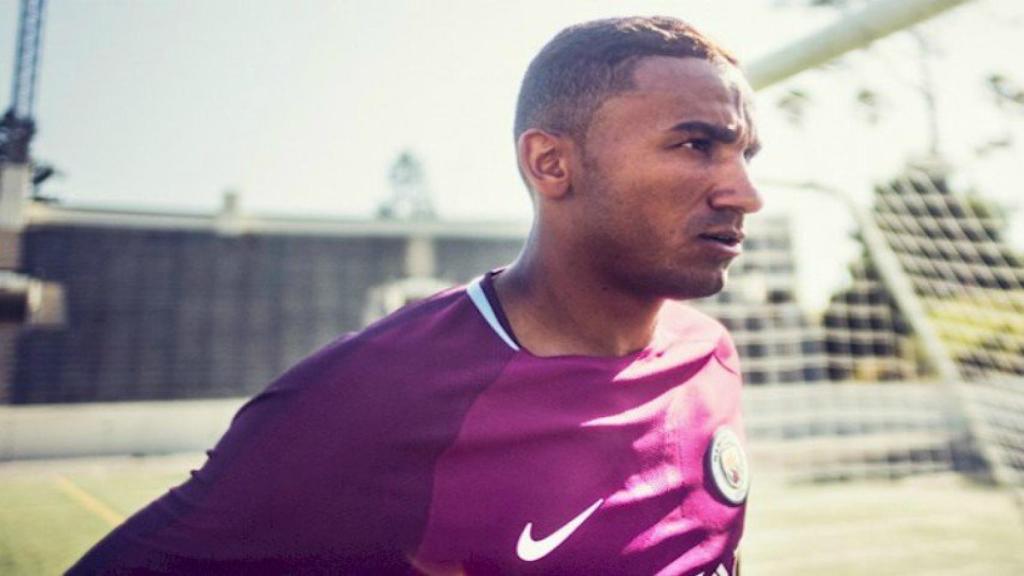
(728,464)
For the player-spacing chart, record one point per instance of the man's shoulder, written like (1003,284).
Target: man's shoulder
(441,341)
(685,321)
(688,324)
(423,318)
(443,328)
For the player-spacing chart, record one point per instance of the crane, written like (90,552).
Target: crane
(18,125)
(17,174)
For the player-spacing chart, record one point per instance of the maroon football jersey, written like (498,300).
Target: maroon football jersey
(431,442)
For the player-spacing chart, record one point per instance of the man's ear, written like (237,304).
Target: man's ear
(545,161)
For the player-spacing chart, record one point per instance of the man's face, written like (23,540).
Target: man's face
(663,184)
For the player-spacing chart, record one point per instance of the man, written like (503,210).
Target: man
(557,416)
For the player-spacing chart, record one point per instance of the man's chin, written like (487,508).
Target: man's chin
(694,287)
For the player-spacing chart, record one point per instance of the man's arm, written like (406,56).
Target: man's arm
(280,492)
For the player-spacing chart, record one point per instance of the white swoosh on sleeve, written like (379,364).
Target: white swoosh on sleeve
(529,549)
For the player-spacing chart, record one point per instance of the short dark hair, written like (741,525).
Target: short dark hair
(586,63)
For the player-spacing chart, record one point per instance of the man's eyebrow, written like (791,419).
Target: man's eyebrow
(716,132)
(713,131)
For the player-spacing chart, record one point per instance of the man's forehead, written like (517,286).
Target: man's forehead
(671,73)
(667,91)
(693,89)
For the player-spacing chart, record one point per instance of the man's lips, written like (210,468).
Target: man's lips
(728,240)
(730,236)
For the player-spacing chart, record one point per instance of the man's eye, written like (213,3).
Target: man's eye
(700,145)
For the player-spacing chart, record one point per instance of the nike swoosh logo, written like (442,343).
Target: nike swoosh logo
(529,549)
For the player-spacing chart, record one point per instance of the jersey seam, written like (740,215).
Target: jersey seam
(455,440)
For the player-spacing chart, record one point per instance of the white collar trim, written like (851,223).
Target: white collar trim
(479,298)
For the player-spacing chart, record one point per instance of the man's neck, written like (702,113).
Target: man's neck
(558,310)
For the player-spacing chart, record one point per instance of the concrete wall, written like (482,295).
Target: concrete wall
(73,430)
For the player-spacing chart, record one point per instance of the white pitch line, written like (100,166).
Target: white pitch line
(88,501)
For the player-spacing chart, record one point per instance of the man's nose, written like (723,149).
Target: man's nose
(736,190)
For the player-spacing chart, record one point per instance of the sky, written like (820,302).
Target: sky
(302,107)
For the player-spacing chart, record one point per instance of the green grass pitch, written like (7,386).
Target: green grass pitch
(52,512)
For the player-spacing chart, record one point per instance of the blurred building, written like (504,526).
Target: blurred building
(173,306)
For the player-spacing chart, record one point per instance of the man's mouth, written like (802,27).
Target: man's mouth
(725,237)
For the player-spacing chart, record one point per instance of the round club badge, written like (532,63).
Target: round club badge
(728,464)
